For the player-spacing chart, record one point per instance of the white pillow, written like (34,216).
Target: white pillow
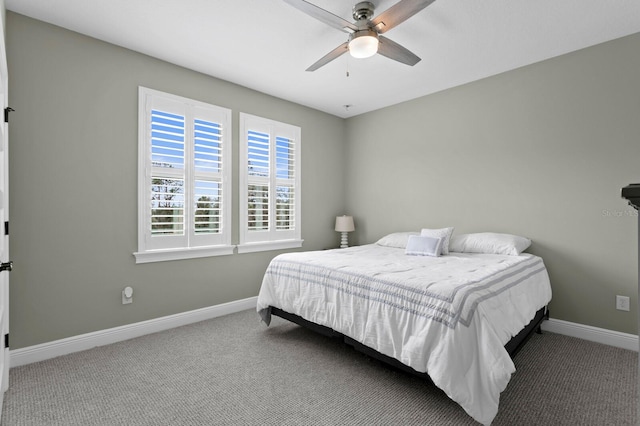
(397,239)
(444,233)
(423,246)
(489,242)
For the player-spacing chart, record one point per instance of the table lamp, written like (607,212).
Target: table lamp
(344,224)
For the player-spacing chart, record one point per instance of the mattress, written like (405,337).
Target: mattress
(447,316)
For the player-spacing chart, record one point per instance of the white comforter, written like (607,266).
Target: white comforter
(449,316)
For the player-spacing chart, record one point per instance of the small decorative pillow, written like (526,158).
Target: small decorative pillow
(397,239)
(444,233)
(424,246)
(489,242)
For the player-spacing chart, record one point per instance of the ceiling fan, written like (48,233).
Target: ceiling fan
(365,37)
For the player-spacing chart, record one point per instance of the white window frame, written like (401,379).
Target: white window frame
(270,239)
(191,244)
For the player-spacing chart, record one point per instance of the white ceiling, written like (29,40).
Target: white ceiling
(266,45)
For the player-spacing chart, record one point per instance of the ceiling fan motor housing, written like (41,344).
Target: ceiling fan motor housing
(363,33)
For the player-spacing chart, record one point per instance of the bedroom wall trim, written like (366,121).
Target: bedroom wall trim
(593,334)
(44,351)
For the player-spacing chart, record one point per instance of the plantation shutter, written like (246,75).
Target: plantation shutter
(258,170)
(270,182)
(285,183)
(167,175)
(208,167)
(185,174)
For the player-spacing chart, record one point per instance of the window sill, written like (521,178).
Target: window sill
(182,253)
(269,245)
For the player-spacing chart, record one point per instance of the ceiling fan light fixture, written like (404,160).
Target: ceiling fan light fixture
(363,44)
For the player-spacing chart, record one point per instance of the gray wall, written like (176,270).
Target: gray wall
(73,174)
(541,151)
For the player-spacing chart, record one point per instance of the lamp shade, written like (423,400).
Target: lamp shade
(344,224)
(363,44)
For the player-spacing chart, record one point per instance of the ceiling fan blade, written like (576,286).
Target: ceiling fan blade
(393,50)
(323,15)
(397,14)
(343,48)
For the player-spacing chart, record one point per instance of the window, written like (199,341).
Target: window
(269,185)
(184,178)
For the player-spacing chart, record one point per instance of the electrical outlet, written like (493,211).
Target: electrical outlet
(622,303)
(127,295)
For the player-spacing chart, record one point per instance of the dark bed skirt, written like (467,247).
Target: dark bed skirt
(513,346)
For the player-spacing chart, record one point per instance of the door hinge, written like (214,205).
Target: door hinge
(6,228)
(7,110)
(6,340)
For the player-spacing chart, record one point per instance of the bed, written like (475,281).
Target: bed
(454,314)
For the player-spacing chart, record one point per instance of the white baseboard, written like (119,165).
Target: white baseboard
(593,334)
(86,341)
